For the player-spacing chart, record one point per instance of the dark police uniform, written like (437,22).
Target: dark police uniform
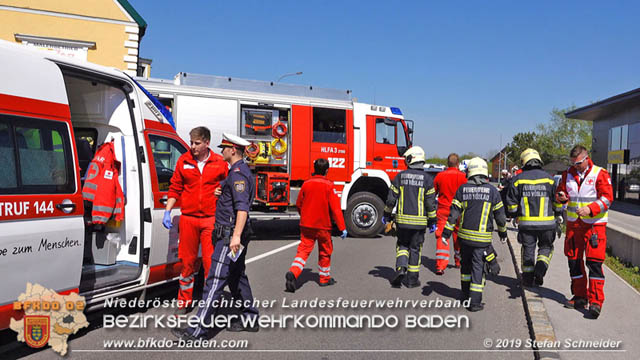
(530,197)
(238,191)
(413,190)
(477,203)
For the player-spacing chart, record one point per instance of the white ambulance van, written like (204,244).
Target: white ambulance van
(54,113)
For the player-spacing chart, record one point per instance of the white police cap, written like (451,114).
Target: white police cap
(230,140)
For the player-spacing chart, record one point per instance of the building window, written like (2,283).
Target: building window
(619,138)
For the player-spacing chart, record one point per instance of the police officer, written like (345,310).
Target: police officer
(413,190)
(231,238)
(477,203)
(530,197)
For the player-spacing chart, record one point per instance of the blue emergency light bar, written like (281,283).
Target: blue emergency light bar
(395,111)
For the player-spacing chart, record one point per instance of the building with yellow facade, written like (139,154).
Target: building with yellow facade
(106,32)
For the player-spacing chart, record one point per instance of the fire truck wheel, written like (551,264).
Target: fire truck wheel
(363,217)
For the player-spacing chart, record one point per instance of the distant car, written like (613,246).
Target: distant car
(433,171)
(633,186)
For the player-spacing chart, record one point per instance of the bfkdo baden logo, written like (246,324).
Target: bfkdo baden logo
(49,318)
(36,330)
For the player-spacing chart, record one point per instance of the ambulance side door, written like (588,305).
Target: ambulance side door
(41,223)
(165,149)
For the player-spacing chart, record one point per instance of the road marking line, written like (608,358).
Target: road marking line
(255,258)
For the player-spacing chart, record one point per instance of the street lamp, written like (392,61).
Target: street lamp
(290,74)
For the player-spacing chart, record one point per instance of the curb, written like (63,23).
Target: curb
(540,326)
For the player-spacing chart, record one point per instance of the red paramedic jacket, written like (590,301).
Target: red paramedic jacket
(195,189)
(101,186)
(446,184)
(318,203)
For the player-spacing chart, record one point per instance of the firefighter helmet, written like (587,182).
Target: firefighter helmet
(529,154)
(414,155)
(477,166)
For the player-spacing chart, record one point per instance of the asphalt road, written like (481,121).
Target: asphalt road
(362,268)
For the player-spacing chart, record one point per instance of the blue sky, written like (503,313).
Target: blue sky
(468,72)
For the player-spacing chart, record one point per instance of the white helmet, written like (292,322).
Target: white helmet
(414,155)
(477,166)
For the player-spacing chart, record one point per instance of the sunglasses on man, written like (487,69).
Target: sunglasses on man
(581,161)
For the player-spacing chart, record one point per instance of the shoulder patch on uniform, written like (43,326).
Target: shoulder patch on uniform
(108,174)
(239,185)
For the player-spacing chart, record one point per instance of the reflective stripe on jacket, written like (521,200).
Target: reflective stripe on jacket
(530,196)
(101,186)
(594,191)
(477,205)
(413,191)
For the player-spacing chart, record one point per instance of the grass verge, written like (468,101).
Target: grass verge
(630,273)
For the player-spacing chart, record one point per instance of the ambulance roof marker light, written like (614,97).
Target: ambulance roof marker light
(395,111)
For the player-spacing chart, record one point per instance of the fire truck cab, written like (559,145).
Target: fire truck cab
(289,127)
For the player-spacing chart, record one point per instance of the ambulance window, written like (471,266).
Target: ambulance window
(166,152)
(8,157)
(329,125)
(385,133)
(42,153)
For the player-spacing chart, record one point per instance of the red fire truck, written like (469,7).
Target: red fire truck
(290,126)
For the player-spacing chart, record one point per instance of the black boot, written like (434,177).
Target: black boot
(290,282)
(401,272)
(539,272)
(411,281)
(475,307)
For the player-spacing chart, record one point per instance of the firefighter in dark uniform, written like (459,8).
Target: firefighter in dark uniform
(230,236)
(413,190)
(530,197)
(477,203)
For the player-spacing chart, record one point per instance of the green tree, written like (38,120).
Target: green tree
(553,140)
(557,137)
(519,143)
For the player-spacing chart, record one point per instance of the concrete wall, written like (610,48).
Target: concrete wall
(624,244)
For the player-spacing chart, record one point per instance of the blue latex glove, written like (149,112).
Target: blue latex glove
(344,234)
(433,228)
(166,221)
(384,220)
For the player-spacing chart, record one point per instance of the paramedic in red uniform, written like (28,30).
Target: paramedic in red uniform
(198,173)
(317,204)
(586,189)
(446,184)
